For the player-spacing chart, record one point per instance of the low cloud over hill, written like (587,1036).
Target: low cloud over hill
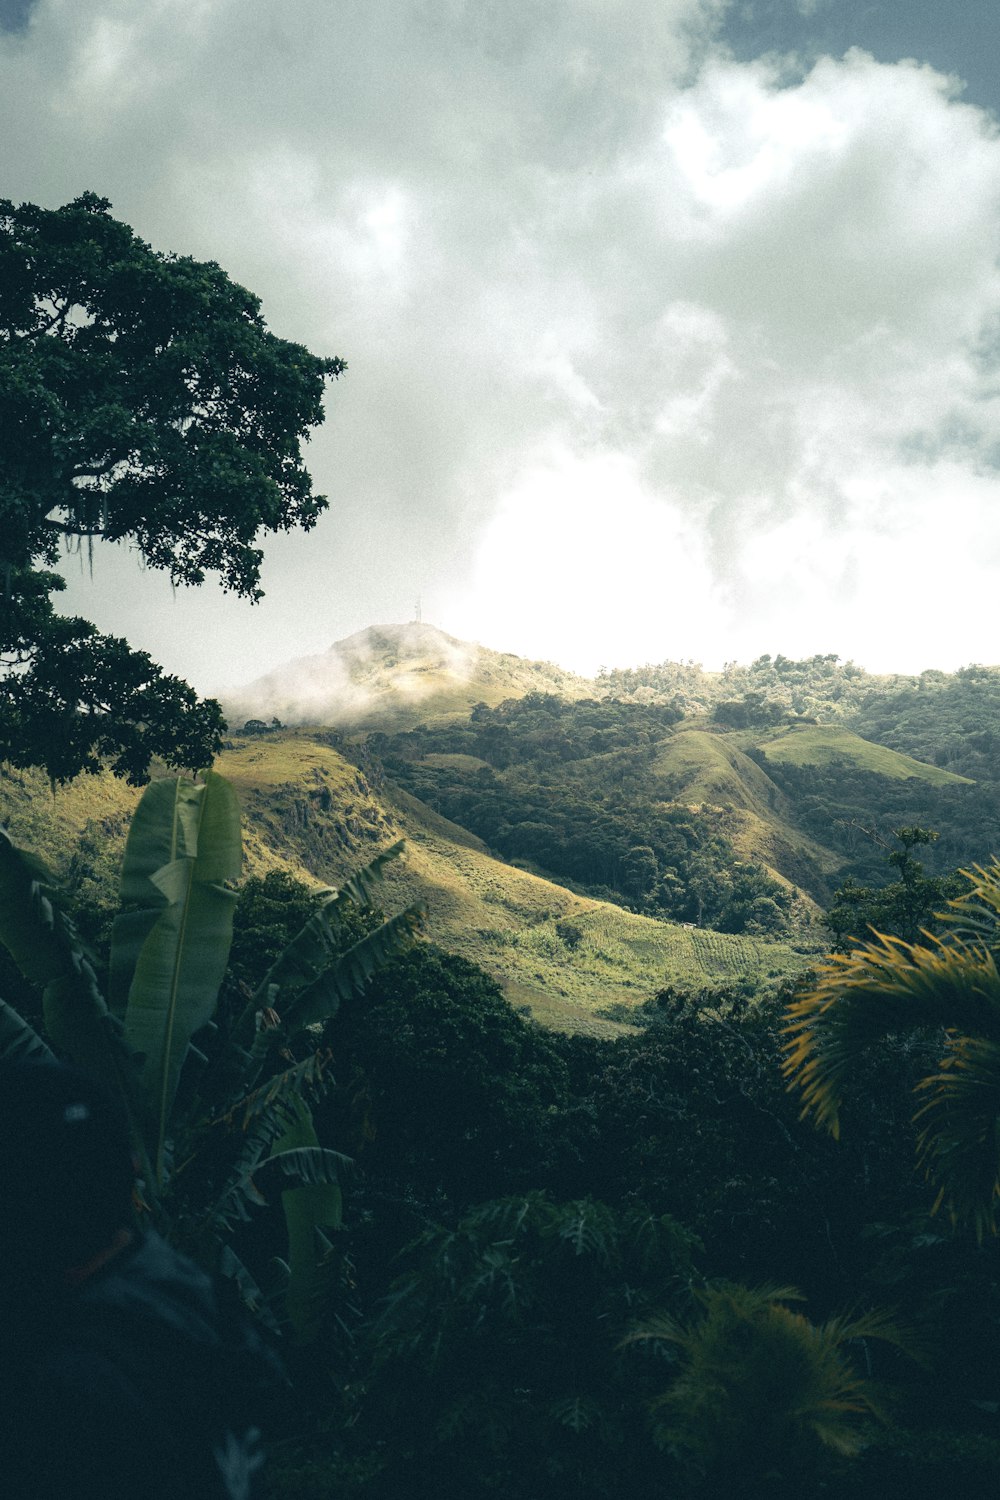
(392,674)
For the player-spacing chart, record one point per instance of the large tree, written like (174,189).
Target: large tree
(142,400)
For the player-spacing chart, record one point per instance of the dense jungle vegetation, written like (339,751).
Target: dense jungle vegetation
(561,1259)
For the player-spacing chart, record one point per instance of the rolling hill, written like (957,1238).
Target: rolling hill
(701,768)
(602,808)
(823,745)
(394,676)
(311,812)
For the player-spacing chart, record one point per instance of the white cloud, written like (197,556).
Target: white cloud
(580,562)
(614,305)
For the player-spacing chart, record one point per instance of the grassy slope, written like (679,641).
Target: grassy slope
(85,822)
(698,768)
(821,744)
(499,917)
(505,920)
(309,811)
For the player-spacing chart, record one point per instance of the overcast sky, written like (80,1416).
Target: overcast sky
(673,325)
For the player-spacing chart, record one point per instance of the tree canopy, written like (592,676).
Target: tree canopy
(142,400)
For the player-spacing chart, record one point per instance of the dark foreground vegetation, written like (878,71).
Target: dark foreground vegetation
(525,1263)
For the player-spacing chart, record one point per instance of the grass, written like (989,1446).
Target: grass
(309,811)
(822,744)
(83,824)
(456,762)
(701,769)
(505,920)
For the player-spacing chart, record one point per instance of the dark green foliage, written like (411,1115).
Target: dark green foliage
(450,1089)
(920,1463)
(856,813)
(949,719)
(761,1395)
(270,910)
(142,400)
(903,908)
(459,1388)
(752,711)
(691,1115)
(217,1101)
(496,1358)
(568,789)
(571,934)
(950,1289)
(88,700)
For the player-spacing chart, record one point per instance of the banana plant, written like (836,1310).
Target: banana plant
(218,1114)
(171,948)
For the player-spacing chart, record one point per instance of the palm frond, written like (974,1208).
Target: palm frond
(230,1207)
(361,886)
(975,915)
(959,1141)
(308,1077)
(302,1166)
(316,943)
(754,1372)
(40,938)
(883,987)
(231,1268)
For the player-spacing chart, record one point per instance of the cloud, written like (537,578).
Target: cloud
(15,14)
(577,257)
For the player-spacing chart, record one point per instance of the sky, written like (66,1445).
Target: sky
(673,326)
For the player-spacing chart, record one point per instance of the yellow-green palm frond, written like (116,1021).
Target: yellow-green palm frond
(959,1142)
(755,1376)
(975,915)
(881,988)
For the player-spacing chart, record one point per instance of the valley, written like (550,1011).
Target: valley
(585,850)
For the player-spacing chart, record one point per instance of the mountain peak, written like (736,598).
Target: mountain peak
(391,675)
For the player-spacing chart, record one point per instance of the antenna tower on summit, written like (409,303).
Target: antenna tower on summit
(417,616)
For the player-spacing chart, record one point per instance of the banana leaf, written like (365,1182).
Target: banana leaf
(315,946)
(20,1042)
(348,974)
(48,950)
(194,830)
(41,940)
(315,1204)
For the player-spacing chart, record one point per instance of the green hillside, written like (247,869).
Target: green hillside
(507,921)
(699,767)
(585,851)
(311,812)
(825,744)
